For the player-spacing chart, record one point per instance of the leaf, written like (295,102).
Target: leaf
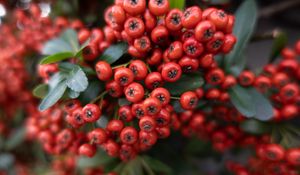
(100,159)
(279,43)
(55,79)
(56,57)
(16,138)
(70,36)
(245,20)
(6,161)
(157,165)
(56,45)
(114,52)
(86,43)
(263,107)
(73,94)
(40,91)
(254,126)
(242,100)
(123,102)
(77,80)
(53,96)
(239,66)
(93,90)
(179,4)
(185,83)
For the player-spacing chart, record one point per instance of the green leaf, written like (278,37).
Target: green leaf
(279,43)
(53,96)
(56,57)
(40,91)
(157,165)
(242,100)
(77,80)
(185,83)
(254,126)
(86,43)
(114,52)
(245,20)
(263,107)
(6,161)
(70,36)
(93,90)
(16,138)
(55,46)
(73,94)
(179,4)
(100,159)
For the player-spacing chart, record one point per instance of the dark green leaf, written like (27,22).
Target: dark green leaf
(114,52)
(157,165)
(40,91)
(6,161)
(100,159)
(245,20)
(238,66)
(70,36)
(92,91)
(263,107)
(15,139)
(185,83)
(242,100)
(56,45)
(53,96)
(123,102)
(77,80)
(279,43)
(253,126)
(56,57)
(179,4)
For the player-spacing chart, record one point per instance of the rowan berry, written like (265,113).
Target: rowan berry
(153,80)
(134,27)
(205,31)
(152,106)
(129,135)
(124,76)
(173,20)
(97,136)
(192,47)
(147,124)
(87,150)
(91,113)
(171,72)
(134,92)
(114,89)
(158,7)
(162,94)
(191,17)
(246,78)
(103,70)
(142,44)
(125,113)
(134,7)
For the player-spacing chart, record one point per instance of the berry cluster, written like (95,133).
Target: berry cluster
(165,43)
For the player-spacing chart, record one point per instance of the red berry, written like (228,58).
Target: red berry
(129,135)
(158,7)
(189,100)
(171,72)
(87,150)
(91,113)
(134,92)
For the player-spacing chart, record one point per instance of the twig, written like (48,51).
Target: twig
(277,8)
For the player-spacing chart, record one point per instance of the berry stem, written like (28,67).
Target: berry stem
(99,97)
(121,65)
(175,98)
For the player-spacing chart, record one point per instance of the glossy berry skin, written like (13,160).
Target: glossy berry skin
(103,70)
(142,44)
(215,76)
(147,138)
(273,152)
(152,106)
(205,31)
(173,20)
(171,72)
(124,76)
(188,64)
(191,17)
(147,124)
(87,150)
(134,7)
(115,126)
(138,110)
(129,135)
(229,42)
(162,94)
(192,47)
(188,100)
(293,157)
(139,69)
(114,89)
(160,35)
(134,92)
(125,114)
(134,27)
(153,80)
(118,14)
(90,52)
(112,148)
(163,118)
(91,113)
(97,136)
(246,78)
(219,18)
(158,7)
(175,50)
(149,20)
(216,43)
(77,118)
(289,92)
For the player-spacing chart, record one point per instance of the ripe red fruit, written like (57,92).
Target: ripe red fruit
(129,135)
(173,20)
(114,89)
(134,7)
(118,14)
(215,76)
(147,138)
(138,110)
(188,100)
(139,69)
(149,20)
(246,78)
(293,157)
(160,35)
(152,106)
(273,152)
(158,7)
(134,27)
(219,18)
(205,31)
(188,64)
(91,113)
(192,47)
(191,17)
(142,44)
(134,92)
(87,150)
(124,76)
(171,72)
(97,136)
(175,50)
(125,113)
(153,80)
(115,126)
(162,94)
(103,70)
(147,124)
